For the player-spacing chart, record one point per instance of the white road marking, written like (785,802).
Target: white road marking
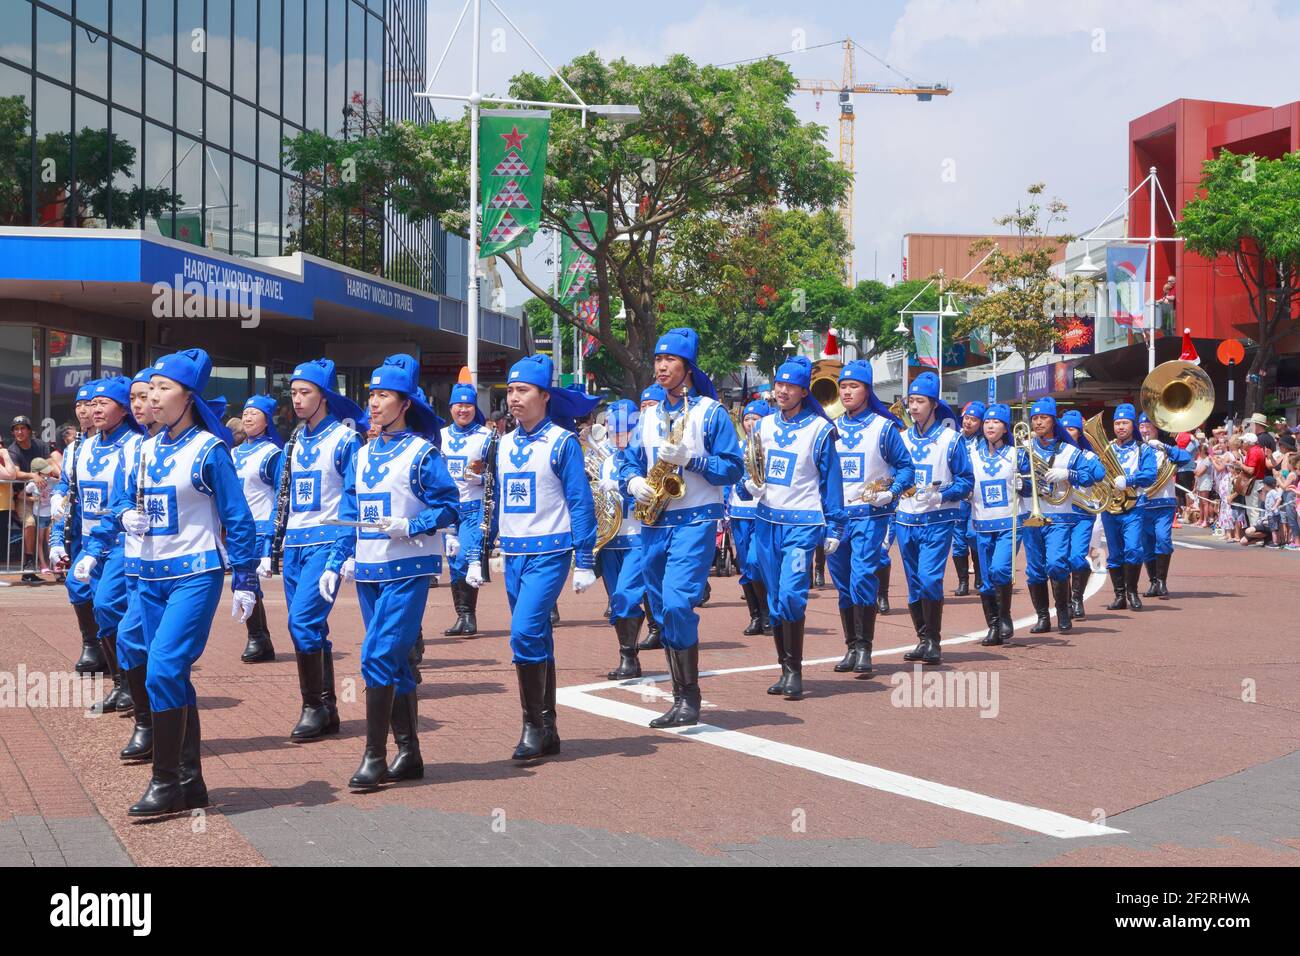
(1194,547)
(1048,822)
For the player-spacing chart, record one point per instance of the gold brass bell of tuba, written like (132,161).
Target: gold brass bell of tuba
(755,460)
(1178,397)
(609,504)
(825,386)
(665,479)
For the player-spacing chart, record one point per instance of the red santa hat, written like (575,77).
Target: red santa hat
(1189,349)
(832,349)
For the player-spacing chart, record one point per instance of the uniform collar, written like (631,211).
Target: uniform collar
(470,430)
(320,428)
(800,416)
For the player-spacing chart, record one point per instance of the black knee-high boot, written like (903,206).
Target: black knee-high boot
(532,700)
(140,746)
(118,698)
(91,660)
(1005,626)
(962,563)
(1061,596)
(793,635)
(1153,577)
(882,588)
(848,621)
(989,601)
(760,593)
(374,762)
(1162,566)
(932,612)
(654,638)
(315,719)
(258,649)
(918,622)
(458,589)
(975,566)
(778,640)
(193,789)
(1079,582)
(627,629)
(1131,574)
(1038,595)
(408,764)
(164,794)
(1120,601)
(751,601)
(865,616)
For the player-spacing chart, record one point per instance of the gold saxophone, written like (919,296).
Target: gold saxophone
(665,479)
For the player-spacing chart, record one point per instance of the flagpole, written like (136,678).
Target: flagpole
(1151,272)
(938,342)
(556,345)
(471,331)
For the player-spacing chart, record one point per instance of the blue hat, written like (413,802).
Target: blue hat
(757,407)
(320,372)
(401,373)
(118,388)
(465,394)
(191,369)
(997,412)
(621,416)
(1047,406)
(859,370)
(975,410)
(1125,412)
(1073,419)
(142,377)
(566,403)
(654,393)
(1142,419)
(266,405)
(87,391)
(219,405)
(797,370)
(685,344)
(927,386)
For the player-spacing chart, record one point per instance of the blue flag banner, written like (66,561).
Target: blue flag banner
(1126,276)
(925,331)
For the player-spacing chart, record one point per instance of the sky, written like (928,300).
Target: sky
(1043,91)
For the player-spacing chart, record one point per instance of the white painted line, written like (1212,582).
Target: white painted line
(1194,547)
(1048,822)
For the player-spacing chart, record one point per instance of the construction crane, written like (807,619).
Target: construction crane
(924,92)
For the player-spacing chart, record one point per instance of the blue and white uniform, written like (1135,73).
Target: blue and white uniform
(995,504)
(1124,531)
(1081,521)
(256,463)
(1048,548)
(742,510)
(461,447)
(1158,506)
(963,538)
(620,560)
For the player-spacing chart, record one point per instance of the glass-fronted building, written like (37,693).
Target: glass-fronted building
(165,119)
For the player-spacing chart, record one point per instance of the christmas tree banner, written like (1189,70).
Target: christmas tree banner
(512,164)
(577,269)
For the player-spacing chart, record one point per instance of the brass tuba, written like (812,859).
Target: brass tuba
(825,386)
(1178,397)
(1104,494)
(755,461)
(1058,495)
(609,504)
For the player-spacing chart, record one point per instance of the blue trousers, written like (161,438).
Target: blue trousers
(308,611)
(176,615)
(1047,552)
(785,553)
(891,535)
(854,564)
(1080,540)
(1123,537)
(81,592)
(1157,531)
(110,593)
(621,572)
(963,536)
(924,549)
(742,536)
(132,651)
(470,536)
(996,558)
(392,612)
(676,560)
(533,585)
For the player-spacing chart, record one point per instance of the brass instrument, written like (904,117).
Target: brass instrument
(899,410)
(489,506)
(1104,494)
(825,386)
(1024,438)
(282,500)
(755,460)
(1178,397)
(665,479)
(1039,465)
(609,504)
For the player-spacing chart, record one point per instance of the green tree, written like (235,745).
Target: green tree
(711,144)
(1249,212)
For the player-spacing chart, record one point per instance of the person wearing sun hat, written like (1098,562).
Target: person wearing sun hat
(195,524)
(320,453)
(1081,521)
(741,512)
(1158,507)
(964,552)
(926,520)
(678,547)
(1124,530)
(800,505)
(257,458)
(398,494)
(871,455)
(464,444)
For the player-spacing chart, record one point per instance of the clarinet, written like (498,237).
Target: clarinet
(139,479)
(489,501)
(282,500)
(71,498)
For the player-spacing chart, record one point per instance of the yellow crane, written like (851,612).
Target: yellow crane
(924,92)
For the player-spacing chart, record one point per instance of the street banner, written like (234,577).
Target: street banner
(1126,271)
(925,331)
(588,310)
(512,165)
(1075,334)
(577,268)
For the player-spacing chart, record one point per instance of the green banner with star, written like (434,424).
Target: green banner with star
(577,268)
(512,164)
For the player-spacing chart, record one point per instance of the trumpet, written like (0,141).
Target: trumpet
(1024,438)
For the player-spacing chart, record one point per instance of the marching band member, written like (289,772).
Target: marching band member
(800,504)
(1047,548)
(399,492)
(1124,531)
(1158,507)
(66,537)
(926,519)
(311,478)
(997,467)
(741,511)
(651,396)
(257,458)
(871,452)
(620,559)
(964,552)
(1082,521)
(677,550)
(189,495)
(463,446)
(102,560)
(548,522)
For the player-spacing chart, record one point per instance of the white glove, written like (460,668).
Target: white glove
(327,585)
(84,567)
(607,484)
(1018,482)
(674,454)
(396,527)
(241,605)
(58,555)
(349,570)
(640,490)
(882,498)
(264,567)
(1155,443)
(451,545)
(1057,474)
(1120,482)
(474,575)
(583,578)
(829,545)
(471,478)
(755,490)
(135,523)
(927,497)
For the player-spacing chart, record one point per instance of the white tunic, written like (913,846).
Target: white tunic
(131,462)
(316,488)
(387,482)
(930,460)
(459,450)
(791,477)
(702,500)
(97,468)
(629,532)
(995,499)
(533,507)
(861,460)
(1065,456)
(259,487)
(184,535)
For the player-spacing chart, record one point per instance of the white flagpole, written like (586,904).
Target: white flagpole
(471,332)
(1151,272)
